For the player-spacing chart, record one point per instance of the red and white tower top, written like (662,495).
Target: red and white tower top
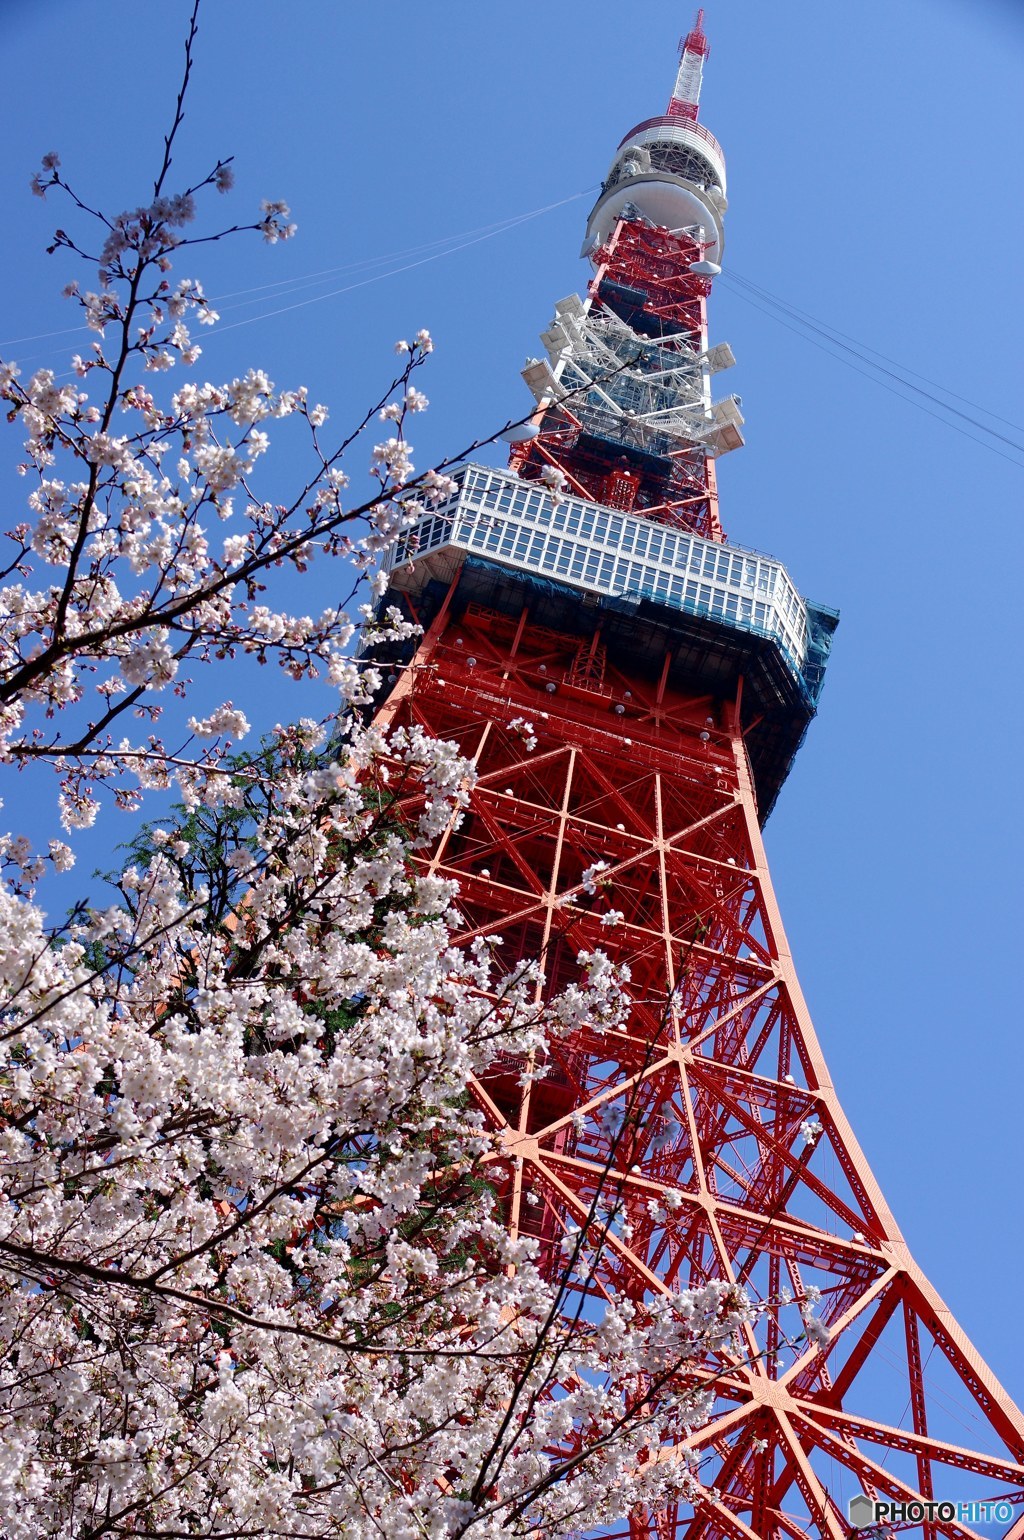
(670,168)
(693,50)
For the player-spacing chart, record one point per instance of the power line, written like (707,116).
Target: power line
(898,374)
(443,246)
(800,331)
(484,231)
(406,267)
(867,348)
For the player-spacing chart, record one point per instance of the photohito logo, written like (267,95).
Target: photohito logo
(864,1512)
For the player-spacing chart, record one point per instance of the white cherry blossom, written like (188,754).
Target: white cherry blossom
(251,1260)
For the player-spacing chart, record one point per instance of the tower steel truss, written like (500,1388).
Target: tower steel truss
(632,690)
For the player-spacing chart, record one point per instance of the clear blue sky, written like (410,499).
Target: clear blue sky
(874,154)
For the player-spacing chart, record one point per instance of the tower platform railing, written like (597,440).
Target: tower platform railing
(601,550)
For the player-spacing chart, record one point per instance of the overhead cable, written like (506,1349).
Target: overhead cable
(866,347)
(801,330)
(441,247)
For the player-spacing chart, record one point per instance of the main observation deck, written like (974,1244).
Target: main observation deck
(724,612)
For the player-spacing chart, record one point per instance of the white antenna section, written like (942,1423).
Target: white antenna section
(689,78)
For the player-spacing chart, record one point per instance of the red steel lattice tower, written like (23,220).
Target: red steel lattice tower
(633,689)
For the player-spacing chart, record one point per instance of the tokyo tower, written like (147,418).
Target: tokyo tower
(633,689)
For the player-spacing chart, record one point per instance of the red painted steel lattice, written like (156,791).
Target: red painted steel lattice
(645,274)
(719,1069)
(706,1140)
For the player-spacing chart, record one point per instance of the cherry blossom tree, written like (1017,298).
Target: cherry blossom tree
(149,546)
(254,1278)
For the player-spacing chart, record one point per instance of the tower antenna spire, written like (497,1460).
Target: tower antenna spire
(693,50)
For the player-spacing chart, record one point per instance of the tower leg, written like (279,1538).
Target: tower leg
(706,1141)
